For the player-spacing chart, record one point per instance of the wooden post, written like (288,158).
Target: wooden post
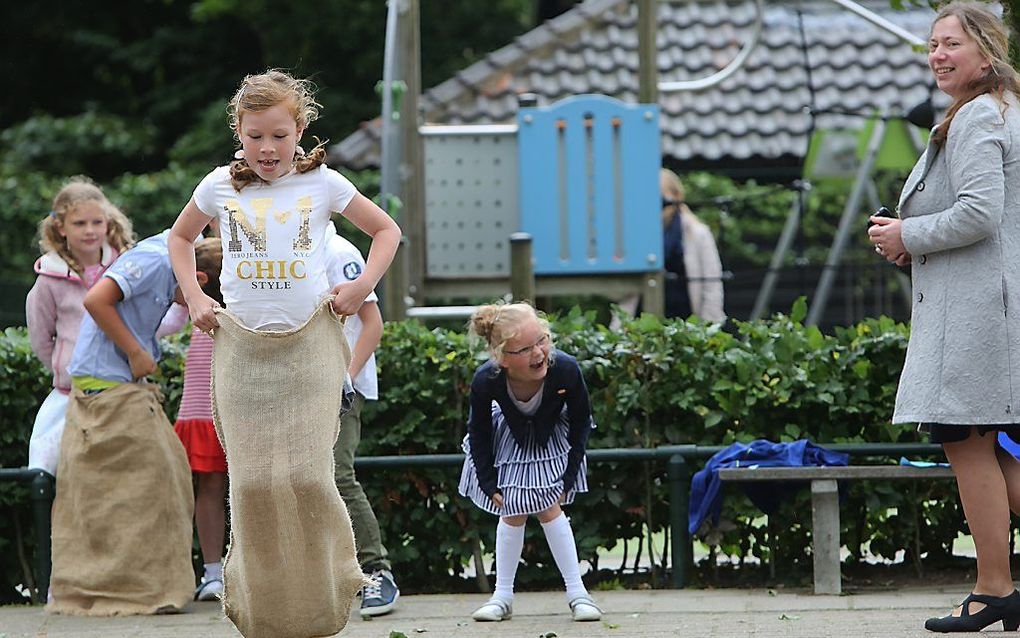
(648,66)
(653,300)
(394,286)
(412,181)
(522,270)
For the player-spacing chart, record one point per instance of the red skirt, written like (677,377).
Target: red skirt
(204,451)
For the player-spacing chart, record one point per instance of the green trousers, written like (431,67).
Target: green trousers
(371,553)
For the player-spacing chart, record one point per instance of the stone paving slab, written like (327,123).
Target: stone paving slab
(629,614)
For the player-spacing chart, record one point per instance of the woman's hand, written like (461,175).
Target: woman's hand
(203,312)
(497,498)
(886,235)
(348,297)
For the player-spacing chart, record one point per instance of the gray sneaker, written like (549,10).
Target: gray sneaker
(379,596)
(209,589)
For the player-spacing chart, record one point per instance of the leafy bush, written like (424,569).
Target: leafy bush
(24,383)
(653,382)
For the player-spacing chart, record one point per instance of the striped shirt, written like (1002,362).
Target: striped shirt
(196,402)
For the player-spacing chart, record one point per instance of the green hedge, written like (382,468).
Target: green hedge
(652,382)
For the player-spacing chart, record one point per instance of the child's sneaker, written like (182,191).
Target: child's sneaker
(211,589)
(379,596)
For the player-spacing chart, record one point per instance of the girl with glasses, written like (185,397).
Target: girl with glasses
(527,434)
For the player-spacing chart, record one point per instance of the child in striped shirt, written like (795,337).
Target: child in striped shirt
(527,434)
(194,426)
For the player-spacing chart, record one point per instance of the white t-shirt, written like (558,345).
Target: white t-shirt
(345,263)
(274,238)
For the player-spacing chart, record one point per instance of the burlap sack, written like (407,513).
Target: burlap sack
(122,515)
(292,570)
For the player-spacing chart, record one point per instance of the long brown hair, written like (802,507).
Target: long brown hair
(989,33)
(264,91)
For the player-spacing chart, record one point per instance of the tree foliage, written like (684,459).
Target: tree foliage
(169,66)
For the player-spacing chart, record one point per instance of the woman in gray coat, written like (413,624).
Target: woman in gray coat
(959,227)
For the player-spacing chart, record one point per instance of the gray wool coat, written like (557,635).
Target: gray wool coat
(961,225)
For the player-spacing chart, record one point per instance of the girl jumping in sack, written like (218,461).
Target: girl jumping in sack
(527,434)
(280,358)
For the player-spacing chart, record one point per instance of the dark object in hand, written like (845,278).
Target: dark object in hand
(881,212)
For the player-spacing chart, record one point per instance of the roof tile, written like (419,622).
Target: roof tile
(761,111)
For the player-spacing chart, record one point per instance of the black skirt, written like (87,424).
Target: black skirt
(951,433)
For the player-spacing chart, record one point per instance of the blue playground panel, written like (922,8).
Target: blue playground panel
(589,186)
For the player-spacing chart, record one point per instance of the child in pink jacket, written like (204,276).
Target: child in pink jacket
(79,238)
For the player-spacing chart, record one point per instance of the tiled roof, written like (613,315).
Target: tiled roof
(761,112)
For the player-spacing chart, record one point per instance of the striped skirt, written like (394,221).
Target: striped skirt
(528,475)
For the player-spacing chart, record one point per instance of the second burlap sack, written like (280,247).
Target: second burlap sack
(122,515)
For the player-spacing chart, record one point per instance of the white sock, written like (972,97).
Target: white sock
(509,545)
(213,571)
(560,537)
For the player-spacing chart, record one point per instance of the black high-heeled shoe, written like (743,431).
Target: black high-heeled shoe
(1006,609)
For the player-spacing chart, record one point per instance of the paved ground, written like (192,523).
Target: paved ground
(629,614)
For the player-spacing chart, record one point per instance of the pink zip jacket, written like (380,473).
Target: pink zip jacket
(54,310)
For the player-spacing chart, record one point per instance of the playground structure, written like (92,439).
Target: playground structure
(580,177)
(458,202)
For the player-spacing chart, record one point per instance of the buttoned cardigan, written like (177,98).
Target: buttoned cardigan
(564,386)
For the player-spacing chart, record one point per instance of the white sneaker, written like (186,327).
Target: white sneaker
(209,590)
(584,609)
(494,611)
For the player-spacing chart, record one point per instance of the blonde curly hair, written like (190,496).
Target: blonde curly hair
(498,323)
(76,191)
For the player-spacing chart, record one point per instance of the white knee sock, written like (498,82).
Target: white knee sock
(560,537)
(509,544)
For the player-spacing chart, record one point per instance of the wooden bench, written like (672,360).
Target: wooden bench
(825,541)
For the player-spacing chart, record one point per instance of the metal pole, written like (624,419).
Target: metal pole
(731,68)
(42,506)
(768,284)
(389,183)
(863,178)
(679,486)
(395,283)
(881,22)
(522,270)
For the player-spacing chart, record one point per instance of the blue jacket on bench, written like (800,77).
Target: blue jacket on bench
(706,488)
